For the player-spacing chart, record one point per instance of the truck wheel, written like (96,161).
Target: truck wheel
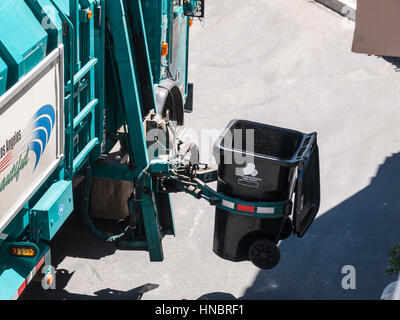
(287,229)
(264,254)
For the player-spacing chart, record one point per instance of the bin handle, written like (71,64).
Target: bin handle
(304,158)
(305,151)
(299,205)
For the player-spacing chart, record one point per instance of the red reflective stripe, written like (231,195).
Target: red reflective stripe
(241,207)
(31,275)
(22,288)
(41,262)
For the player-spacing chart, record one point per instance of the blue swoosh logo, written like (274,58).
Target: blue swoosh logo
(42,126)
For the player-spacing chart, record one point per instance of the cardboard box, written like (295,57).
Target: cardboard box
(377,27)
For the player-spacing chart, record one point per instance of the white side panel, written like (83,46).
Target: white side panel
(31,139)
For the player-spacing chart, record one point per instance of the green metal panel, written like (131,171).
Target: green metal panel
(20,49)
(142,57)
(137,28)
(130,91)
(18,225)
(99,52)
(153,15)
(3,76)
(46,14)
(64,5)
(53,209)
(124,56)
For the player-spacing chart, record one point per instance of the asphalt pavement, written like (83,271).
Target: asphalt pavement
(286,63)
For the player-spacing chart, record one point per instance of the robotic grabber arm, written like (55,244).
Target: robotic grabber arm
(193,178)
(288,191)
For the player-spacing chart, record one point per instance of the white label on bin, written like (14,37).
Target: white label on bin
(248,176)
(264,210)
(249,170)
(228,204)
(248,182)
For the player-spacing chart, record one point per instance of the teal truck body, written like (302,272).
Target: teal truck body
(72,74)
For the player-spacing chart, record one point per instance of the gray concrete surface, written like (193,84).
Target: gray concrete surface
(285,63)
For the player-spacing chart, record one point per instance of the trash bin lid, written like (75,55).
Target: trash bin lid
(307,200)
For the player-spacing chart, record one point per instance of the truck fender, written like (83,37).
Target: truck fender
(170,101)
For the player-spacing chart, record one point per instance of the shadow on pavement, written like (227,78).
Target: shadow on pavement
(218,296)
(395,61)
(359,232)
(62,279)
(75,240)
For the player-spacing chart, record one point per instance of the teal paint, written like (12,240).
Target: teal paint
(15,270)
(53,209)
(21,50)
(17,226)
(63,5)
(100,88)
(142,57)
(152,15)
(3,76)
(120,80)
(129,87)
(124,57)
(50,20)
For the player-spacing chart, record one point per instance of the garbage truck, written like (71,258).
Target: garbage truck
(93,97)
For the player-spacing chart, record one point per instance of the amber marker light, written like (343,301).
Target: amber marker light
(22,251)
(49,279)
(164,49)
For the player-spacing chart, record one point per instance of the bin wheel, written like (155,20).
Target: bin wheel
(264,254)
(287,229)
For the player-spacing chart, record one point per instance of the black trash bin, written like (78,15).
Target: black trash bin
(262,163)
